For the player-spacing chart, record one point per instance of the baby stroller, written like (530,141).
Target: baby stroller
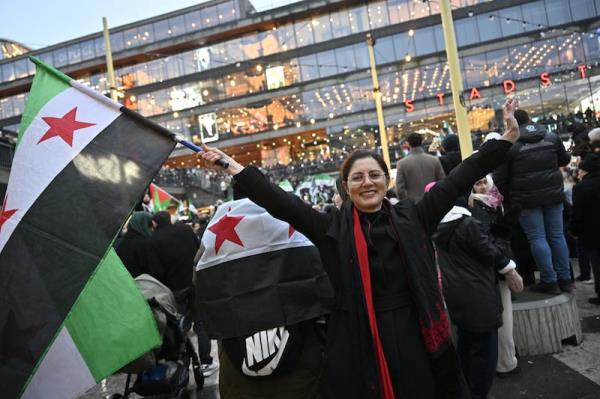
(164,371)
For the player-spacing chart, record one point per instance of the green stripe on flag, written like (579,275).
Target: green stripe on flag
(45,86)
(111,323)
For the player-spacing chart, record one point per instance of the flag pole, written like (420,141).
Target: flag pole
(377,97)
(110,71)
(462,121)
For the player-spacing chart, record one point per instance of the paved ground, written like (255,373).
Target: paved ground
(571,374)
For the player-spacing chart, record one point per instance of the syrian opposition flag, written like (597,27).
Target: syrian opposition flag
(257,273)
(160,199)
(70,314)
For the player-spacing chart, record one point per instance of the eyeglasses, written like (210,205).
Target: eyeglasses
(375,176)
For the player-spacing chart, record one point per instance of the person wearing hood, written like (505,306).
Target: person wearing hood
(451,156)
(586,215)
(134,248)
(470,262)
(531,179)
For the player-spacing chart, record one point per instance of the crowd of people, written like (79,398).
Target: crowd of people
(400,260)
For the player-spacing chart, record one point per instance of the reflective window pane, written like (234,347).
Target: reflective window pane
(304,33)
(177,25)
(378,15)
(346,59)
(558,12)
(88,50)
(161,29)
(8,71)
(193,21)
(74,53)
(425,41)
(359,21)
(582,9)
(489,26)
(510,21)
(146,34)
(60,57)
(340,24)
(327,63)
(534,15)
(398,11)
(466,31)
(308,67)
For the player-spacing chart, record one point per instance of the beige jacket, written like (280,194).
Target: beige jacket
(414,172)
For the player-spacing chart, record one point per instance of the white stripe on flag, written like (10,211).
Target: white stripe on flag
(36,165)
(62,374)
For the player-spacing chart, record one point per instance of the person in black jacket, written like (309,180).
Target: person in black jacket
(451,156)
(531,179)
(586,215)
(134,248)
(388,331)
(469,261)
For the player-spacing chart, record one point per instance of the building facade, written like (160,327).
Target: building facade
(291,85)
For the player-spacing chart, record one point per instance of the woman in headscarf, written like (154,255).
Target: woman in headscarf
(388,332)
(134,248)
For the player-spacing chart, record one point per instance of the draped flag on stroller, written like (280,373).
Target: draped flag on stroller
(70,314)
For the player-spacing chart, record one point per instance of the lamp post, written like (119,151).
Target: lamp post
(110,71)
(462,121)
(377,97)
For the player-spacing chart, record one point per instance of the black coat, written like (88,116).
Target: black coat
(351,371)
(450,160)
(586,210)
(469,261)
(175,246)
(531,178)
(137,254)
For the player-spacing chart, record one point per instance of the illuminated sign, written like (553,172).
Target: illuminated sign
(187,98)
(208,127)
(275,77)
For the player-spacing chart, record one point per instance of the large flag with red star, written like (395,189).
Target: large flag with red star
(70,314)
(257,273)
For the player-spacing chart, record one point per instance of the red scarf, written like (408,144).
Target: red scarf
(363,261)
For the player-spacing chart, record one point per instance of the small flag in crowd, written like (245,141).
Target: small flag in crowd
(70,314)
(257,273)
(160,199)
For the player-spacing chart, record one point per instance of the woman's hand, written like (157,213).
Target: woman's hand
(514,281)
(512,127)
(211,155)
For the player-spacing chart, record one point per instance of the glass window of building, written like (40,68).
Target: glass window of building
(60,57)
(19,104)
(99,44)
(570,50)
(418,9)
(286,37)
(398,11)
(475,71)
(404,45)
(251,47)
(591,44)
(269,42)
(161,29)
(74,53)
(328,66)
(304,33)
(359,21)
(131,38)
(6,109)
(340,25)
(553,99)
(308,67)
(233,49)
(46,57)
(210,16)
(145,34)
(546,56)
(378,15)
(346,59)
(224,13)
(466,31)
(489,26)
(510,21)
(534,15)
(193,21)
(116,43)
(362,55)
(384,50)
(322,28)
(582,9)
(177,25)
(425,41)
(188,63)
(88,50)
(498,62)
(558,12)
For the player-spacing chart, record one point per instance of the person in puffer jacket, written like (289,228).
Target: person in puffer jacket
(469,262)
(531,179)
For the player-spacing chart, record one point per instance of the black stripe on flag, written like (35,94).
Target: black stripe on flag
(258,292)
(63,236)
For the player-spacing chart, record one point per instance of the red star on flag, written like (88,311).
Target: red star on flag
(5,214)
(63,127)
(224,229)
(290,231)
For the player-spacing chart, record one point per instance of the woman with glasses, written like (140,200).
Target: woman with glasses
(388,333)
